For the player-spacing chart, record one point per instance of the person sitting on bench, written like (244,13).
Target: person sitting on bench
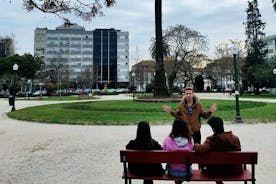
(179,139)
(144,141)
(219,141)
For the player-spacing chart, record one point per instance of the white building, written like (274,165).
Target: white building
(271,45)
(100,56)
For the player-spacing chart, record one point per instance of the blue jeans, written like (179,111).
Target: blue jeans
(179,174)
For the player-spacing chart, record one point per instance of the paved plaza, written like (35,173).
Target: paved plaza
(38,153)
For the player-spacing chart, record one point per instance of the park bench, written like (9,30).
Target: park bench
(188,158)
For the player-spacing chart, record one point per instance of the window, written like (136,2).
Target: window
(270,51)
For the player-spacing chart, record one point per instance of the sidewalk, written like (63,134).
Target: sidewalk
(75,154)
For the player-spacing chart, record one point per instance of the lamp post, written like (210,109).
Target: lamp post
(28,92)
(77,85)
(133,75)
(235,54)
(15,68)
(40,90)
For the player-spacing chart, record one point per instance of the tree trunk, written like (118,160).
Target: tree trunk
(160,88)
(170,81)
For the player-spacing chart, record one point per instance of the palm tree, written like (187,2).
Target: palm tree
(166,47)
(160,88)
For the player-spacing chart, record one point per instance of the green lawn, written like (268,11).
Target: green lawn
(127,112)
(262,95)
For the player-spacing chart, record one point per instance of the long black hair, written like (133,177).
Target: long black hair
(143,131)
(180,128)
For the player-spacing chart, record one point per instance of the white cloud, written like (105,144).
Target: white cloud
(220,20)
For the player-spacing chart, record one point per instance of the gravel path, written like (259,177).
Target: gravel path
(35,153)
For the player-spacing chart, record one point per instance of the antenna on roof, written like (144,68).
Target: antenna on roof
(67,22)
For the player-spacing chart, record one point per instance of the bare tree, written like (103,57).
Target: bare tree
(185,46)
(225,56)
(86,78)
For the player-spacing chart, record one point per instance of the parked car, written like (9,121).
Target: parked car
(4,94)
(38,93)
(264,90)
(122,90)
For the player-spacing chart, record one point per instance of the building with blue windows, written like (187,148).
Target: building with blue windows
(91,59)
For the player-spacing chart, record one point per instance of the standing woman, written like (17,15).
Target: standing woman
(179,139)
(144,141)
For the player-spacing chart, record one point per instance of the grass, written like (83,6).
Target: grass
(262,95)
(126,112)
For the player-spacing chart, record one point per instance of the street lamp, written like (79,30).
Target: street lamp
(274,71)
(133,75)
(235,54)
(15,68)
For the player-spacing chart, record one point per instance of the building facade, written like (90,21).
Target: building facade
(143,74)
(89,58)
(270,45)
(6,47)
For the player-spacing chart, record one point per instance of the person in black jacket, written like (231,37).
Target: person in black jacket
(144,141)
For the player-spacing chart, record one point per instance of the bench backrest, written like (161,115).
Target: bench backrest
(161,156)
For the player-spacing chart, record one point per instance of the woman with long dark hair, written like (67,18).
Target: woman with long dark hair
(144,141)
(179,139)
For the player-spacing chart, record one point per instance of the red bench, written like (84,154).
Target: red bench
(188,158)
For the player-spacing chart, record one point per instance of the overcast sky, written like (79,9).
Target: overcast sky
(219,20)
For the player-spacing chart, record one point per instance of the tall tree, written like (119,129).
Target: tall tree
(166,47)
(29,66)
(224,59)
(80,8)
(160,88)
(255,46)
(274,4)
(186,46)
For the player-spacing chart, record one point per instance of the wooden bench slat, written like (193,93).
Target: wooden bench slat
(197,176)
(231,157)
